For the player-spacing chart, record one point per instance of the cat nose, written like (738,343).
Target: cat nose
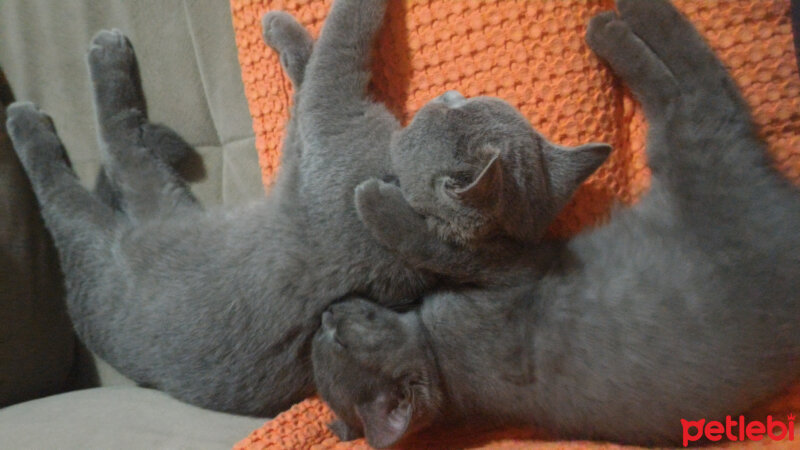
(453,99)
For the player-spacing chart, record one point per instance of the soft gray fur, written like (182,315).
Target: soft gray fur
(218,308)
(684,306)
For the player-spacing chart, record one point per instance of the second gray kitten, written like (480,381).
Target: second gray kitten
(685,306)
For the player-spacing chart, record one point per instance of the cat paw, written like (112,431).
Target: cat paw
(373,198)
(111,50)
(281,31)
(666,32)
(615,40)
(604,33)
(386,214)
(290,40)
(25,118)
(33,133)
(655,13)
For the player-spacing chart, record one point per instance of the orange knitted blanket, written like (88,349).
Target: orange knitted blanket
(531,53)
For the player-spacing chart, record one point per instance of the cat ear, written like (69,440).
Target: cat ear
(485,188)
(567,167)
(385,419)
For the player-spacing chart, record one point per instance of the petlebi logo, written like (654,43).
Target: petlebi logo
(739,430)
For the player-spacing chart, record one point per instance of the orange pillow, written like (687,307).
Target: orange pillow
(531,53)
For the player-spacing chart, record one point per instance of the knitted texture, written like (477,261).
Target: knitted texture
(531,53)
(304,426)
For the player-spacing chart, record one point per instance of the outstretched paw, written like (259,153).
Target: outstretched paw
(654,20)
(673,39)
(385,212)
(282,32)
(290,40)
(613,40)
(605,32)
(33,134)
(26,119)
(374,198)
(111,50)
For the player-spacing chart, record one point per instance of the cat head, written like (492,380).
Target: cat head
(475,167)
(375,370)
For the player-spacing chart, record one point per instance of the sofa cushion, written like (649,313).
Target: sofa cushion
(120,418)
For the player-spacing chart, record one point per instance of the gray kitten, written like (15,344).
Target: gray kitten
(684,306)
(218,308)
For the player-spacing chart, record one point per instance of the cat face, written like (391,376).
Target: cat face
(373,368)
(475,168)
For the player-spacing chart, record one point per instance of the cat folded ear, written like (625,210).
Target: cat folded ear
(568,167)
(385,418)
(484,189)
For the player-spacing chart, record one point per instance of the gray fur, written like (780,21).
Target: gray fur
(218,307)
(684,306)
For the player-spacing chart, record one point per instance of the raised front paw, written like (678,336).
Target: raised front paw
(375,199)
(282,32)
(655,16)
(111,50)
(290,40)
(604,33)
(673,39)
(385,212)
(33,134)
(610,36)
(25,119)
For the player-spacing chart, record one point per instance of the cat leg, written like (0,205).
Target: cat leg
(291,41)
(679,80)
(77,220)
(630,58)
(706,157)
(335,84)
(139,152)
(294,45)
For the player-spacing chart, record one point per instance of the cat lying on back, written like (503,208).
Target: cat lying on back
(218,308)
(684,306)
